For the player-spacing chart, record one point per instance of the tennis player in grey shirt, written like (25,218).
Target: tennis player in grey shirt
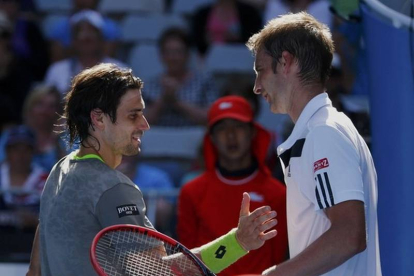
(84,193)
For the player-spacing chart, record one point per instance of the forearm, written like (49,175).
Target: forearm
(34,267)
(329,251)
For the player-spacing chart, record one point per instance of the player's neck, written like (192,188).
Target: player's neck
(300,97)
(108,157)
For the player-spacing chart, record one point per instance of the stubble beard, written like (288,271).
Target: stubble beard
(131,150)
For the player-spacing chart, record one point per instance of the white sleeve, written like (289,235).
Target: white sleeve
(336,169)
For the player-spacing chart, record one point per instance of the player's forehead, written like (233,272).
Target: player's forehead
(131,100)
(262,58)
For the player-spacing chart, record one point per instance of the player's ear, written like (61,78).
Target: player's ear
(288,62)
(97,118)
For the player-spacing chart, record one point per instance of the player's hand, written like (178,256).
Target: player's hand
(251,231)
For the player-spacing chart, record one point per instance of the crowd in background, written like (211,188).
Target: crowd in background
(38,61)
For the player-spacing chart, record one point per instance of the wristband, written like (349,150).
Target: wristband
(222,252)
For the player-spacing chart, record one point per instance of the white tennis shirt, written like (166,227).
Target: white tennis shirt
(327,162)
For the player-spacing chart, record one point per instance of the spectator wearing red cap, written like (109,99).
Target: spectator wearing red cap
(235,150)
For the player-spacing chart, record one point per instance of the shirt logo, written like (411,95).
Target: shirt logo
(320,164)
(127,210)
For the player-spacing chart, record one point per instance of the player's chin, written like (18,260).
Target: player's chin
(132,150)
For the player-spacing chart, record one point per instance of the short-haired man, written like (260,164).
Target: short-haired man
(235,151)
(329,172)
(84,193)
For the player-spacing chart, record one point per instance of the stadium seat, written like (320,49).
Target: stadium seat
(137,28)
(49,22)
(172,149)
(228,58)
(188,7)
(131,6)
(51,6)
(172,142)
(144,61)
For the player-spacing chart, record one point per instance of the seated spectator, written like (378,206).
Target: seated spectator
(15,76)
(61,35)
(88,50)
(41,110)
(21,184)
(27,40)
(152,180)
(179,96)
(224,21)
(317,8)
(235,149)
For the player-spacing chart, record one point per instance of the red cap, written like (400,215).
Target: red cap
(230,107)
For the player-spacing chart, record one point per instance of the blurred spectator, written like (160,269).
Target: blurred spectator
(317,8)
(27,40)
(235,149)
(152,180)
(225,21)
(21,184)
(179,96)
(15,77)
(61,35)
(240,84)
(88,50)
(260,5)
(41,110)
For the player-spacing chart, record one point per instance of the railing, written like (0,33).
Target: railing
(398,19)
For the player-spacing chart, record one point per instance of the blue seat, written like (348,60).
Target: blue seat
(188,7)
(131,6)
(136,28)
(144,61)
(229,58)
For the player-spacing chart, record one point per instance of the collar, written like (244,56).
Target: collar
(239,173)
(310,109)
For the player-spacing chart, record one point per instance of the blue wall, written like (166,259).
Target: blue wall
(391,90)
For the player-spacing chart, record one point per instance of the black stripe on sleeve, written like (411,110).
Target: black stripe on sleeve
(328,185)
(323,190)
(318,197)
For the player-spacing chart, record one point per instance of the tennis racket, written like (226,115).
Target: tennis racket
(130,250)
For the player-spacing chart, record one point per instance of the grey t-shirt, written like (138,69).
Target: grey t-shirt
(80,198)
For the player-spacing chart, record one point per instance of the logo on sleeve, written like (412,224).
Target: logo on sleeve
(320,164)
(127,210)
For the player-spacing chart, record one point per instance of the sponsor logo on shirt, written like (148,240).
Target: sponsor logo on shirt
(127,210)
(320,164)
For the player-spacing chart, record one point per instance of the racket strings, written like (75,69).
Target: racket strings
(131,253)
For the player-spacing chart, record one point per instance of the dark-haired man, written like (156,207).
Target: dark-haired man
(84,193)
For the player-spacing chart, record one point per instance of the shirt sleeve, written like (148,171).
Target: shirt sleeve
(122,204)
(334,161)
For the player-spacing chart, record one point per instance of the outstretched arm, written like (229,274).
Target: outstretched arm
(250,234)
(345,238)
